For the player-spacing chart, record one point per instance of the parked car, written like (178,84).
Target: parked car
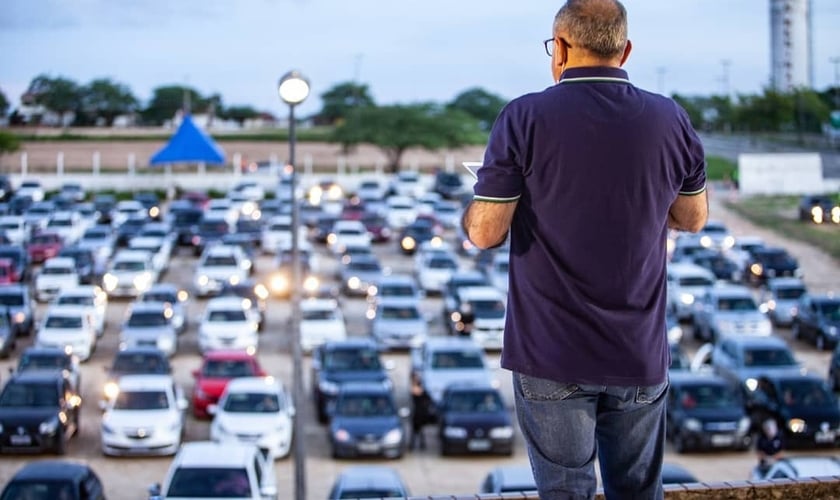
(365,421)
(368,481)
(729,310)
(509,479)
(396,324)
(743,359)
(228,323)
(802,467)
(217,369)
(473,419)
(817,319)
(360,273)
(17,298)
(87,268)
(449,185)
(149,324)
(183,216)
(54,479)
(435,270)
(70,328)
(321,321)
(770,262)
(780,299)
(686,283)
(674,473)
(51,359)
(20,259)
(8,333)
(705,411)
(145,418)
(210,229)
(130,273)
(89,296)
(819,209)
(396,287)
(451,299)
(14,226)
(481,315)
(255,410)
(44,245)
(176,298)
(207,469)
(337,362)
(718,263)
(441,361)
(255,293)
(39,411)
(218,265)
(57,274)
(803,406)
(134,361)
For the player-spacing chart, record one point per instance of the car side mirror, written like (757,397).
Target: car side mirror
(155,492)
(212,410)
(183,404)
(292,411)
(268,491)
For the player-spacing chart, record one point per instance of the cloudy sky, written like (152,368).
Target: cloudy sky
(406,51)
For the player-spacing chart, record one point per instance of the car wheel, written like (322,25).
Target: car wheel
(820,342)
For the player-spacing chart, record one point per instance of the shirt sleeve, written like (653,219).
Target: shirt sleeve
(695,180)
(500,179)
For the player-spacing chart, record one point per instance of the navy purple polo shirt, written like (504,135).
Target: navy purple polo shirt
(595,164)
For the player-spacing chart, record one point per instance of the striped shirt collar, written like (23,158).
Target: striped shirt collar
(594,74)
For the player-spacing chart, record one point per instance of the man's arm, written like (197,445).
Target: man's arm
(689,212)
(486,223)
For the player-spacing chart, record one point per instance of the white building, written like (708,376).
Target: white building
(790,45)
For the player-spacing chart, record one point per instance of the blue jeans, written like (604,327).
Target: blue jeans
(567,425)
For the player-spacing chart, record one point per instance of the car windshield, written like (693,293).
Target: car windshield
(830,310)
(227,369)
(708,396)
(10,299)
(363,266)
(160,297)
(39,490)
(220,261)
(474,402)
(63,322)
(43,362)
(442,263)
(318,314)
(696,281)
(737,304)
(445,360)
(44,239)
(396,291)
(792,293)
(141,400)
(194,482)
(373,492)
(56,271)
(253,402)
(142,319)
(768,357)
(777,258)
(365,405)
(352,360)
(492,309)
(810,393)
(404,313)
(226,315)
(19,395)
(129,265)
(139,363)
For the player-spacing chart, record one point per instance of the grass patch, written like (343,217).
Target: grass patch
(719,169)
(780,214)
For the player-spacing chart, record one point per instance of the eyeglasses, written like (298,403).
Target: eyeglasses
(549,45)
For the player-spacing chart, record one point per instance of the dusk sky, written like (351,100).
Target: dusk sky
(406,51)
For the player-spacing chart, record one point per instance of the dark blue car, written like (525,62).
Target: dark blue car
(365,421)
(474,419)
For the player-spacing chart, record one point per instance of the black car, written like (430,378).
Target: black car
(183,216)
(51,359)
(250,230)
(19,257)
(338,362)
(138,360)
(770,262)
(818,208)
(474,419)
(716,262)
(834,370)
(209,230)
(705,412)
(415,234)
(17,298)
(85,261)
(803,406)
(151,202)
(54,480)
(8,332)
(322,227)
(39,411)
(450,185)
(364,421)
(6,188)
(818,319)
(104,204)
(673,473)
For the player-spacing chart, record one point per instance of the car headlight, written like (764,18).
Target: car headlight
(796,425)
(505,432)
(203,280)
(675,334)
(728,242)
(354,283)
(48,426)
(687,298)
(328,387)
(19,317)
(744,425)
(341,435)
(279,283)
(143,281)
(408,243)
(111,390)
(832,330)
(751,384)
(107,429)
(455,432)
(693,425)
(394,436)
(110,281)
(706,241)
(757,269)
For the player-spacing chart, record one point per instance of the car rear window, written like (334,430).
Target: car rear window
(210,483)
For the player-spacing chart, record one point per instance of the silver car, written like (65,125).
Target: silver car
(150,324)
(395,323)
(729,310)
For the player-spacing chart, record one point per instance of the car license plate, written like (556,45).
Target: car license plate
(825,437)
(722,440)
(369,447)
(18,440)
(478,445)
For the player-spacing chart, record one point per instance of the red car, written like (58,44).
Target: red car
(8,272)
(217,369)
(44,245)
(199,199)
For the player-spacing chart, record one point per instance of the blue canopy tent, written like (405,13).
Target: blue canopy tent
(189,145)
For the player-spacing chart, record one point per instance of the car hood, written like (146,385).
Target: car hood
(152,332)
(212,386)
(436,382)
(239,423)
(755,372)
(221,273)
(25,416)
(476,419)
(729,414)
(365,425)
(60,334)
(744,317)
(403,328)
(355,376)
(227,328)
(139,418)
(814,415)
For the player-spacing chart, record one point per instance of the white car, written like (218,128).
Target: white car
(686,283)
(67,224)
(435,270)
(225,208)
(400,211)
(159,249)
(448,212)
(127,209)
(250,190)
(145,418)
(68,328)
(321,321)
(130,273)
(102,240)
(228,323)
(487,305)
(149,324)
(397,323)
(220,264)
(371,190)
(31,188)
(254,410)
(347,233)
(441,361)
(91,297)
(15,228)
(277,234)
(57,274)
(209,469)
(408,183)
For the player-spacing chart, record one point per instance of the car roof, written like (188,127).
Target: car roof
(223,354)
(816,466)
(515,475)
(480,293)
(140,349)
(52,470)
(226,302)
(436,343)
(60,262)
(349,343)
(149,306)
(678,378)
(364,387)
(730,290)
(756,340)
(76,290)
(684,268)
(270,385)
(318,304)
(366,476)
(36,376)
(145,382)
(215,454)
(785,282)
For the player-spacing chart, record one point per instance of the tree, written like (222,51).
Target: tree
(694,107)
(59,95)
(480,104)
(9,143)
(394,129)
(4,104)
(166,101)
(239,113)
(105,99)
(341,99)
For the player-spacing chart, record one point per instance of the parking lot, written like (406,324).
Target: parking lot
(425,471)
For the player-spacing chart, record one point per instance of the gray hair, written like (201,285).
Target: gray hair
(599,26)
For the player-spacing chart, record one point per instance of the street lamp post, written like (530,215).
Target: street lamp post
(293,89)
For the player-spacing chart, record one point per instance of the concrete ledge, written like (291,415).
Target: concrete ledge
(817,488)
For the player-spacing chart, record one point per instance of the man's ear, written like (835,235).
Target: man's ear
(627,49)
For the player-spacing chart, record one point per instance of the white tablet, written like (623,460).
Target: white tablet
(472,167)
